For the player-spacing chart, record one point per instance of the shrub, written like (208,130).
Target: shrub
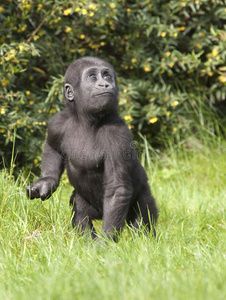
(169,57)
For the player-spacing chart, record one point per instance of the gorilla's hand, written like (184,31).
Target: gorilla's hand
(42,188)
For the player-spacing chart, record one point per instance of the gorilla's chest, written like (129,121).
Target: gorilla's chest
(83,151)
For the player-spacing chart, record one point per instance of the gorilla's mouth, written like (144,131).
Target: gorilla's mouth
(103,94)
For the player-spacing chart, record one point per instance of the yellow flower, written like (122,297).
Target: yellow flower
(112,5)
(125,91)
(21,47)
(128,118)
(175,34)
(36,37)
(5,81)
(168,113)
(82,36)
(68,29)
(2,130)
(31,102)
(167,53)
(67,12)
(182,28)
(23,28)
(84,11)
(153,120)
(214,52)
(147,68)
(77,9)
(92,6)
(128,10)
(122,101)
(35,161)
(91,14)
(26,6)
(12,53)
(2,111)
(210,74)
(163,34)
(222,78)
(28,93)
(53,110)
(54,21)
(171,64)
(1,9)
(175,103)
(8,58)
(133,60)
(102,44)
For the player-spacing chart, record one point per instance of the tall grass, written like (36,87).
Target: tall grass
(42,258)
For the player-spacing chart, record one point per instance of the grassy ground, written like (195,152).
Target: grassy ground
(41,257)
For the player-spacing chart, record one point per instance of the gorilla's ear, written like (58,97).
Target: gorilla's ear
(69,92)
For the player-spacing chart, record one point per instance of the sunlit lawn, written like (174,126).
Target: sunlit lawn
(42,258)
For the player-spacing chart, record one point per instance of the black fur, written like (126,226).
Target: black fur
(91,141)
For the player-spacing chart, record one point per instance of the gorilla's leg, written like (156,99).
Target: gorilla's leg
(144,211)
(83,213)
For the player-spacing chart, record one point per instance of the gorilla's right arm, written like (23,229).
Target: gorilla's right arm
(52,167)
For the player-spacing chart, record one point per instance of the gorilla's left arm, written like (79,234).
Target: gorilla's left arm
(119,166)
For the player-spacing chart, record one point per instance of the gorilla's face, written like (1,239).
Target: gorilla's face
(98,89)
(91,87)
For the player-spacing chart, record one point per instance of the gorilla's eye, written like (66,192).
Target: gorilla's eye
(93,76)
(107,76)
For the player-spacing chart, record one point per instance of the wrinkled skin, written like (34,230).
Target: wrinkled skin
(90,140)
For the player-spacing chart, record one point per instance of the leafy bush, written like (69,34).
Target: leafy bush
(169,57)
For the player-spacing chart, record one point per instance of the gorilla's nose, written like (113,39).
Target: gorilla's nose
(103,85)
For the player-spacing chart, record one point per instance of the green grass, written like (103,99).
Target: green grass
(42,258)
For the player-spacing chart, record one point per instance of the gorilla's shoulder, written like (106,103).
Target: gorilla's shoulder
(58,120)
(56,127)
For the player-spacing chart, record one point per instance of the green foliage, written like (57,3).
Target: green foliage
(169,57)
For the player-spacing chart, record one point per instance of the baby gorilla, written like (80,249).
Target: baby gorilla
(92,142)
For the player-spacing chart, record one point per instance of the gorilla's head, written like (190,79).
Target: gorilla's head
(91,87)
